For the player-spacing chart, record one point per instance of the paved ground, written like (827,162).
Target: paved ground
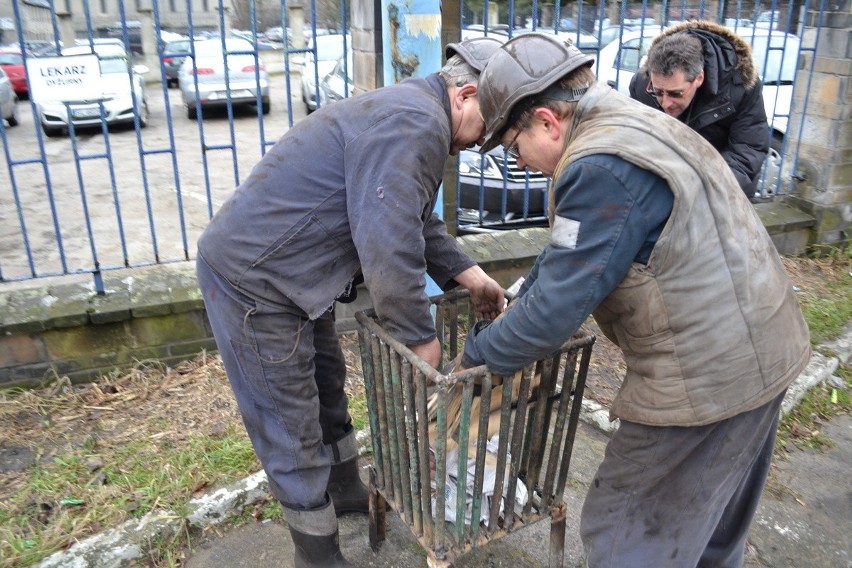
(804,521)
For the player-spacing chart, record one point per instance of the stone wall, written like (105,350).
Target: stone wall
(155,315)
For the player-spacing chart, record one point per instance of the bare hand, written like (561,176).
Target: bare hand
(429,352)
(486,295)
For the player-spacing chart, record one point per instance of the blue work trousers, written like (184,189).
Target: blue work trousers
(287,373)
(679,497)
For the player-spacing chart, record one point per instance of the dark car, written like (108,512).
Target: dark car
(494,194)
(174,52)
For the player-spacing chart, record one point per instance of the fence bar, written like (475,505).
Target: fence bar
(481,451)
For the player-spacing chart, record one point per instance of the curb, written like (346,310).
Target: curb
(116,547)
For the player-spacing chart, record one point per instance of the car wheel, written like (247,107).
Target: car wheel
(13,118)
(51,131)
(143,116)
(266,107)
(776,141)
(191,113)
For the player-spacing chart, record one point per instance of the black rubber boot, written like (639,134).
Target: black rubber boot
(346,489)
(315,538)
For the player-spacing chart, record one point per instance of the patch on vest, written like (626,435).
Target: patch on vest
(564,232)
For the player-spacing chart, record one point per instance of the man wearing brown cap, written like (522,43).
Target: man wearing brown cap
(651,234)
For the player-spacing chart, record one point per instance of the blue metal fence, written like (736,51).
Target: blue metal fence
(109,197)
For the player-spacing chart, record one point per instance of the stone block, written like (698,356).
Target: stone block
(69,305)
(833,65)
(29,376)
(25,311)
(150,302)
(167,329)
(841,176)
(21,349)
(84,340)
(186,299)
(114,306)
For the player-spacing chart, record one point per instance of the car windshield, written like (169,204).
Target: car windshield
(113,65)
(214,47)
(181,46)
(776,59)
(11,59)
(329,48)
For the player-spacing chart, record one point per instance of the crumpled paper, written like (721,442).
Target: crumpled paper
(489,479)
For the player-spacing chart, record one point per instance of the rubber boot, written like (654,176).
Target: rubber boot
(315,538)
(345,487)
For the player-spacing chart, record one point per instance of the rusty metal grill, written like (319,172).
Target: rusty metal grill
(536,428)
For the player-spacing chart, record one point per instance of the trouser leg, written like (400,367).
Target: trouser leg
(660,492)
(344,483)
(726,548)
(268,354)
(330,377)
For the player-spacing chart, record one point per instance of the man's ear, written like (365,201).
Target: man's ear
(552,124)
(466,91)
(699,79)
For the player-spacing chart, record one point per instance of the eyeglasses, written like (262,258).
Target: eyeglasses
(660,93)
(512,149)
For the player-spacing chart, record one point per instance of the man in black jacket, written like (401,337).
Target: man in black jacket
(703,74)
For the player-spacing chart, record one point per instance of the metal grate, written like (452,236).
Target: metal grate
(536,421)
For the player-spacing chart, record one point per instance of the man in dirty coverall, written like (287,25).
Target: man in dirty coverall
(346,195)
(651,234)
(702,73)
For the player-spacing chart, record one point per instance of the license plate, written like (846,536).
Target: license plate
(85,112)
(223,95)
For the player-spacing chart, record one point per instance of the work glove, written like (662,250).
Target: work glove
(471,357)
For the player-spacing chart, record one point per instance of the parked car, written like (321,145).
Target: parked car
(506,195)
(134,35)
(338,84)
(275,34)
(43,48)
(12,62)
(121,92)
(8,100)
(260,41)
(329,49)
(619,61)
(204,84)
(174,52)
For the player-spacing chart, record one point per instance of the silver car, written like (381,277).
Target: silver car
(8,100)
(329,50)
(203,82)
(121,93)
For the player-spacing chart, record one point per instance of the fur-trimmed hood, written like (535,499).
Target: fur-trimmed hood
(705,31)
